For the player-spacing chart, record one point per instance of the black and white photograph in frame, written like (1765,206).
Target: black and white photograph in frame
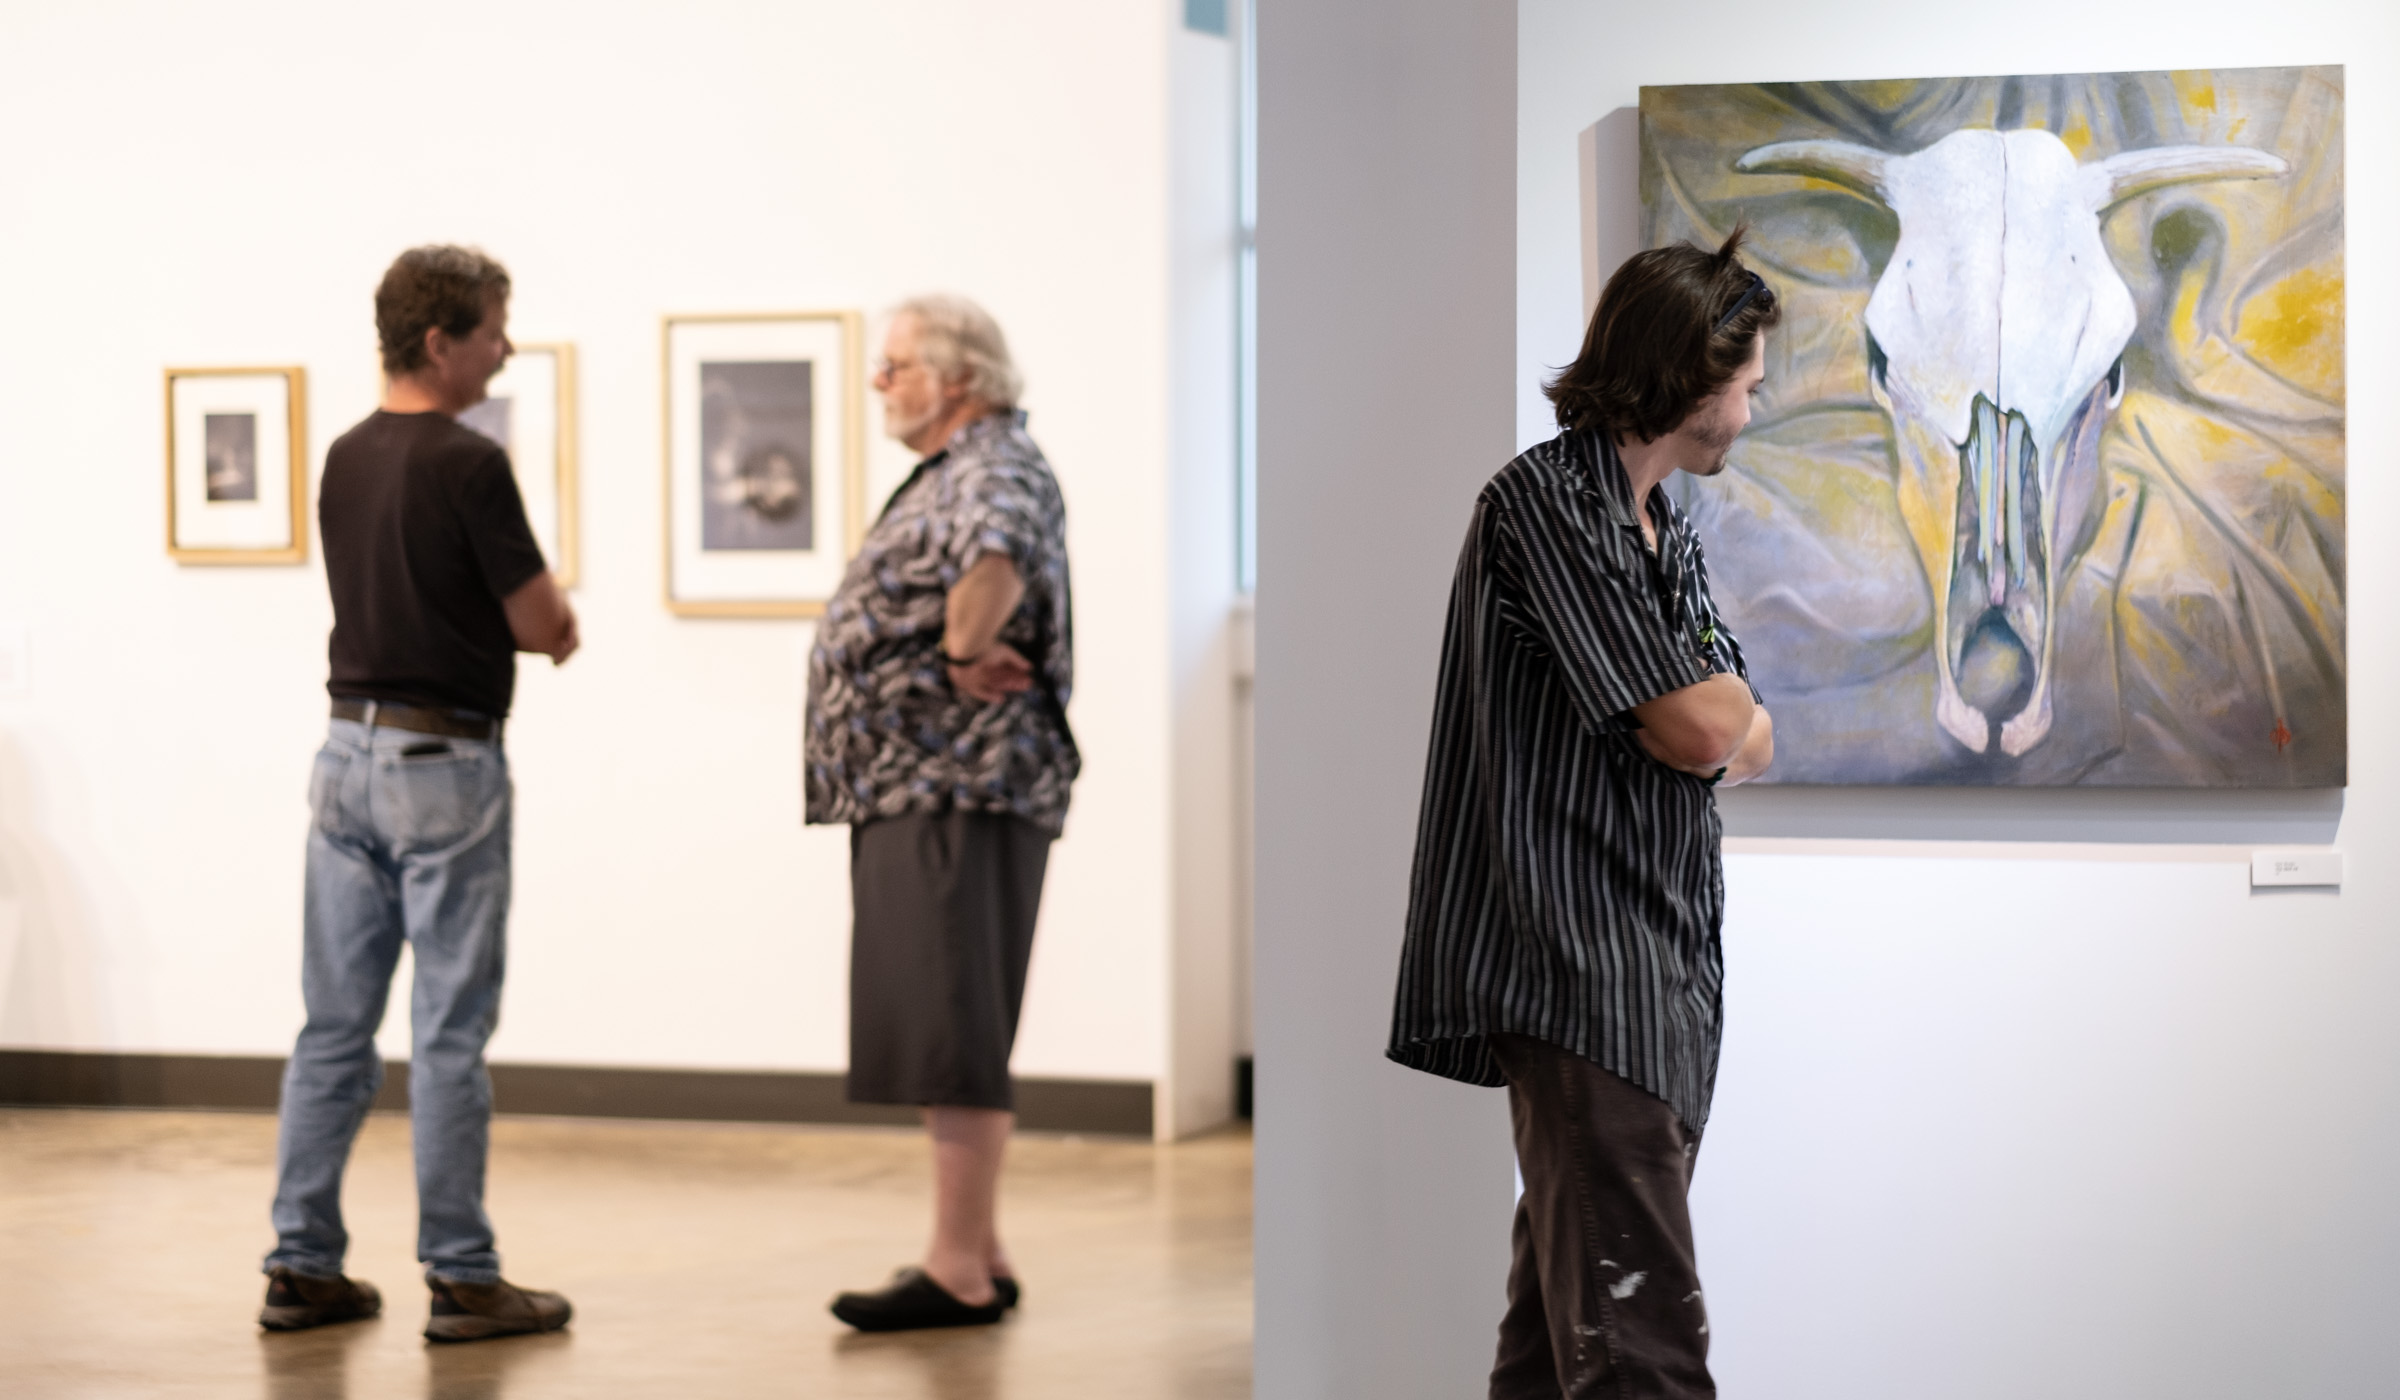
(237,446)
(231,455)
(529,409)
(755,420)
(765,462)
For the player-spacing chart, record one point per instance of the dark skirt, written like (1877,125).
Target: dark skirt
(943,906)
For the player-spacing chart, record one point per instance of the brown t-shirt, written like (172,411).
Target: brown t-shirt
(424,535)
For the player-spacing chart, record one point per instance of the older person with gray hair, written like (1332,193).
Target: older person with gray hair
(937,730)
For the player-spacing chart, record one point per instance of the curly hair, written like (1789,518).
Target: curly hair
(1674,326)
(437,287)
(962,344)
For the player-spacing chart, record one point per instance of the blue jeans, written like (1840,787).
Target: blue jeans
(410,841)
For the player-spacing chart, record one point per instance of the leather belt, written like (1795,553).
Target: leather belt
(450,724)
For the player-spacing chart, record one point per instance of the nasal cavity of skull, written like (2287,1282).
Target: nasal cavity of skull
(2000,501)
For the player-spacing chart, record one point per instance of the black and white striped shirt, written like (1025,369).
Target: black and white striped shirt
(1567,886)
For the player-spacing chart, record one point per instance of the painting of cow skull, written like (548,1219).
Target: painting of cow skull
(2048,484)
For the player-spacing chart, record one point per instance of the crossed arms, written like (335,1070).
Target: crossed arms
(1702,728)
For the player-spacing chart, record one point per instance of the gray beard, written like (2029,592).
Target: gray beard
(901,429)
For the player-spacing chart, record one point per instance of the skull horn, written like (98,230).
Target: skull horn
(1853,167)
(2120,177)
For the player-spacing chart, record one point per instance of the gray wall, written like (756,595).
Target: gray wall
(1386,349)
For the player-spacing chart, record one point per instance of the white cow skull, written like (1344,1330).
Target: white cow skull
(1995,342)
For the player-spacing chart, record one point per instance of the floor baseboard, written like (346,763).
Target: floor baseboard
(63,1079)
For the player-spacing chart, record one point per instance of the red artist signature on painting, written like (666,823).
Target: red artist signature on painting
(2282,736)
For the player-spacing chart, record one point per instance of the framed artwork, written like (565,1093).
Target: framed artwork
(237,472)
(2045,486)
(530,410)
(765,461)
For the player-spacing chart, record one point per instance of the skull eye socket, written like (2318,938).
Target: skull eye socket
(1878,367)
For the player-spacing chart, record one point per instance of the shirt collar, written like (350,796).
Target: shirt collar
(1015,417)
(976,427)
(1608,478)
(1616,492)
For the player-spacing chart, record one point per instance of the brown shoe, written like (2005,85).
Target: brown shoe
(299,1301)
(470,1312)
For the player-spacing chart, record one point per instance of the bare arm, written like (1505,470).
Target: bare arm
(1699,728)
(980,604)
(540,620)
(1756,753)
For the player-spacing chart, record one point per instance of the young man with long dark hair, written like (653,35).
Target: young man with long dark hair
(1568,888)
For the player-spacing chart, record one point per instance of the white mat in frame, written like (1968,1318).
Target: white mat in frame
(529,409)
(764,460)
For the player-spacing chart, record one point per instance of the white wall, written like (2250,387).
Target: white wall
(1385,194)
(223,185)
(2025,1093)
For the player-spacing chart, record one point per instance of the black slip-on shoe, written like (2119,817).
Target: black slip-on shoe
(910,1301)
(470,1312)
(296,1302)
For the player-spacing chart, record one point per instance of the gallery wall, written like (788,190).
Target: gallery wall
(1385,189)
(2027,1092)
(224,185)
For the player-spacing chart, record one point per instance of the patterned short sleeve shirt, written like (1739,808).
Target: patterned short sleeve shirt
(886,732)
(1567,886)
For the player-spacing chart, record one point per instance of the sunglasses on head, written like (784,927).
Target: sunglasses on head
(1757,284)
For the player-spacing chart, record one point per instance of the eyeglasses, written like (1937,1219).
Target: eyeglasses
(888,368)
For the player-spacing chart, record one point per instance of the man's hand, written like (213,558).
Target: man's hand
(567,644)
(999,672)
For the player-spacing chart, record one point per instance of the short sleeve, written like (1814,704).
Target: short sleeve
(1596,617)
(997,512)
(493,512)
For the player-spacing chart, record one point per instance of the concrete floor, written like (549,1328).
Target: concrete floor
(699,1258)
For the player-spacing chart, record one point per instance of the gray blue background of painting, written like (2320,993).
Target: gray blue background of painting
(2200,634)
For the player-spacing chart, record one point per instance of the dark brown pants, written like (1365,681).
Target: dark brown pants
(1603,1296)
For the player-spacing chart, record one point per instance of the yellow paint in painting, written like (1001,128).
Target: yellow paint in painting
(2294,327)
(2077,135)
(2197,91)
(1884,96)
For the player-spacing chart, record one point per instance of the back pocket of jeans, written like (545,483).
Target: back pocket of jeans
(436,798)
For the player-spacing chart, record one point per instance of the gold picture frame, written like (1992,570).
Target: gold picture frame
(226,427)
(763,454)
(542,372)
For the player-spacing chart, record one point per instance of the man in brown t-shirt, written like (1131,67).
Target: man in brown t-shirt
(437,584)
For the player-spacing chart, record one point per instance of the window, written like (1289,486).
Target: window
(1245,524)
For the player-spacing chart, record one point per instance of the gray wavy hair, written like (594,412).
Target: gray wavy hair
(962,344)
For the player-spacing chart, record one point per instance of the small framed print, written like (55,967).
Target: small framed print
(237,470)
(765,460)
(529,409)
